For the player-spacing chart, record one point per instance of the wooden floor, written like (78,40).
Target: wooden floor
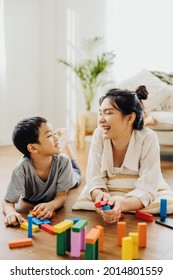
(159,239)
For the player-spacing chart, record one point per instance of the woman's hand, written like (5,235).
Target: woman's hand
(112,215)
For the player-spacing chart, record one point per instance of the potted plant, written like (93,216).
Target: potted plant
(92,69)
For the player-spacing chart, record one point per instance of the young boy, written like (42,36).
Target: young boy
(43,176)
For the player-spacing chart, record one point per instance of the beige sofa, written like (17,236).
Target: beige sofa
(159,104)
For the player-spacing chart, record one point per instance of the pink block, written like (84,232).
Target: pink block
(75,244)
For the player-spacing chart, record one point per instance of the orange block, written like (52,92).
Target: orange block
(142,231)
(101,238)
(20,243)
(92,236)
(121,229)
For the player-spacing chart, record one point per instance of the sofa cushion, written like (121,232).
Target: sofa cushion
(164,120)
(160,96)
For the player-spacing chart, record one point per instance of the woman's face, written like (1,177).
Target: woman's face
(114,124)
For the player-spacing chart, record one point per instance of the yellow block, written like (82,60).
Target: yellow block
(135,238)
(126,248)
(63,226)
(24,225)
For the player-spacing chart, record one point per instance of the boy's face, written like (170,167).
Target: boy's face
(48,141)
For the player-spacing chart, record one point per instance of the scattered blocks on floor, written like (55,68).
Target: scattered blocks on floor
(144,216)
(20,243)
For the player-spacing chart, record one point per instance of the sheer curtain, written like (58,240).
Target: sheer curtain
(141,33)
(3,83)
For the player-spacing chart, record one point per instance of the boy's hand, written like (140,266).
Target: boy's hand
(14,219)
(44,210)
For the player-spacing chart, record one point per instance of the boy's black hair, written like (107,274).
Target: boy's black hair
(27,132)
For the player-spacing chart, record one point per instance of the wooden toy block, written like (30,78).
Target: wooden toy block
(163,208)
(135,238)
(75,220)
(106,207)
(48,228)
(121,216)
(77,227)
(91,252)
(142,231)
(101,238)
(144,216)
(20,243)
(46,221)
(29,225)
(24,225)
(101,203)
(61,243)
(127,248)
(37,222)
(121,232)
(82,239)
(75,244)
(92,236)
(62,226)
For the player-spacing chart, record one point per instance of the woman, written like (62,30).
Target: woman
(122,146)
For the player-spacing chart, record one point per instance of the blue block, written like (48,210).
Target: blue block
(106,207)
(37,221)
(163,208)
(46,221)
(29,225)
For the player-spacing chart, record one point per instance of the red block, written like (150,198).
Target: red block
(101,203)
(48,228)
(144,216)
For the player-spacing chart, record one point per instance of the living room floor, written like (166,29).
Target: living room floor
(44,244)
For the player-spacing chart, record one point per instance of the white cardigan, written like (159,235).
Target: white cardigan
(142,158)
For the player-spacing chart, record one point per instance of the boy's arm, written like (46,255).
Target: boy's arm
(47,208)
(12,217)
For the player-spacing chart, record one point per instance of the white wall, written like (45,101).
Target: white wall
(36,32)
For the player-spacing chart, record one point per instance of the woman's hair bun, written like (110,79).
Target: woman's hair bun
(142,92)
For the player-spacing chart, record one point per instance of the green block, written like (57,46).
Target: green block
(78,227)
(91,251)
(61,243)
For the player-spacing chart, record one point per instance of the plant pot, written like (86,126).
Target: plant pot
(86,123)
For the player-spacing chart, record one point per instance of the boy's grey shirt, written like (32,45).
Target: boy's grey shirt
(24,181)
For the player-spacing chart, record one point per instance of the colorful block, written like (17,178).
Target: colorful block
(101,203)
(135,238)
(163,208)
(121,232)
(142,231)
(77,227)
(20,243)
(127,248)
(48,228)
(24,225)
(62,226)
(29,225)
(92,236)
(101,238)
(144,216)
